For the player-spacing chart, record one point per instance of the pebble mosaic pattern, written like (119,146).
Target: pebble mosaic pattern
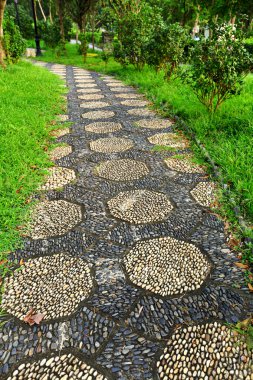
(60,152)
(60,132)
(62,367)
(134,103)
(54,218)
(184,165)
(203,193)
(140,206)
(89,90)
(208,351)
(58,177)
(111,145)
(91,97)
(98,115)
(122,170)
(154,124)
(166,266)
(53,286)
(129,255)
(94,105)
(141,112)
(129,96)
(103,127)
(167,139)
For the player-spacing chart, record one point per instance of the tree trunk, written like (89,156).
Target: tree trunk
(93,30)
(50,11)
(60,13)
(2,53)
(42,12)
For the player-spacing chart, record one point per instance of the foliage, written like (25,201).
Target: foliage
(14,44)
(83,47)
(218,66)
(97,37)
(245,329)
(134,33)
(166,49)
(51,34)
(25,20)
(106,53)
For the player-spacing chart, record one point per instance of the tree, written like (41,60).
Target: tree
(218,66)
(78,9)
(2,54)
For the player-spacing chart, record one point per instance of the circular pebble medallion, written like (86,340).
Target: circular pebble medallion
(64,367)
(91,97)
(51,285)
(116,84)
(111,145)
(60,152)
(57,178)
(141,112)
(134,103)
(93,115)
(52,218)
(103,127)
(168,139)
(94,105)
(140,206)
(183,165)
(89,90)
(122,170)
(166,266)
(87,85)
(203,193)
(60,132)
(207,351)
(154,124)
(129,96)
(121,89)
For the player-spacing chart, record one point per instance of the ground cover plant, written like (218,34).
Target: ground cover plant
(29,99)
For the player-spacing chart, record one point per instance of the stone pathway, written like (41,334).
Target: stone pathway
(124,260)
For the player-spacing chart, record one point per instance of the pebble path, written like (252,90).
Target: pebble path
(124,259)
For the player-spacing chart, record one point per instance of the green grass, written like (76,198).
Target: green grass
(30,97)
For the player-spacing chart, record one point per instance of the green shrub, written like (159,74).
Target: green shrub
(166,49)
(14,44)
(218,66)
(25,20)
(51,34)
(83,46)
(134,33)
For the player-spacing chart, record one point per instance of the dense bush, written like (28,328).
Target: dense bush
(51,34)
(14,44)
(25,20)
(166,48)
(97,37)
(134,33)
(218,66)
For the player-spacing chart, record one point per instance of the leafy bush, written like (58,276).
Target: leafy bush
(14,44)
(248,44)
(97,37)
(166,49)
(218,66)
(134,33)
(25,20)
(51,34)
(106,53)
(83,47)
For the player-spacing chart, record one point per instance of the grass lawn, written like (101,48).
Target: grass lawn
(228,135)
(30,97)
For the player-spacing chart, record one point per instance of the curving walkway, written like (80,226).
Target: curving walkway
(123,260)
